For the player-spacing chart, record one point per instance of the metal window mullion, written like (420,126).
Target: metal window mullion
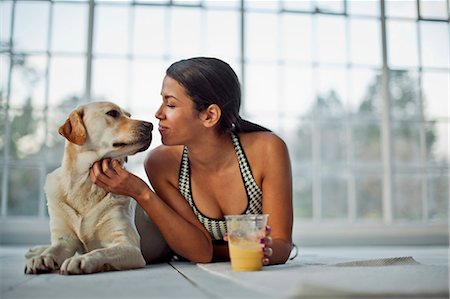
(350,175)
(130,56)
(89,55)
(242,51)
(386,125)
(316,134)
(4,193)
(422,129)
(43,162)
(316,171)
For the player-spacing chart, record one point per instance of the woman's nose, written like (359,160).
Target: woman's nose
(159,113)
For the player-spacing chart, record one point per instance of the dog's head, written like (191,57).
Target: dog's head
(107,129)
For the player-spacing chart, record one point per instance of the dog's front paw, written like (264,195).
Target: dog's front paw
(77,265)
(36,251)
(41,264)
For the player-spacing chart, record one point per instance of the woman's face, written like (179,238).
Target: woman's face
(178,119)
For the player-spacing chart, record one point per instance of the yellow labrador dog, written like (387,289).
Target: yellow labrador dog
(91,230)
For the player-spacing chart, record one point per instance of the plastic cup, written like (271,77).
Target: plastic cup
(244,241)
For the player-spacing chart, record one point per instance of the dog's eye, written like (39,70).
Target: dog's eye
(113,113)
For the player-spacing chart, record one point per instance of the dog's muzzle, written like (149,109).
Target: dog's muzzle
(145,135)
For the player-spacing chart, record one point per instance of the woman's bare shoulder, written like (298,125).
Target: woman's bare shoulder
(163,160)
(262,142)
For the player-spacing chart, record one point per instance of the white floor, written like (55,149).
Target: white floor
(187,280)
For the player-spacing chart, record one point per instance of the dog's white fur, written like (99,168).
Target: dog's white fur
(91,230)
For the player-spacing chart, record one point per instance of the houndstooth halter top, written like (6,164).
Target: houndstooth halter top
(217,227)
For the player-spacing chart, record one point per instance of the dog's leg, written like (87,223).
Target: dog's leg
(117,257)
(50,257)
(35,251)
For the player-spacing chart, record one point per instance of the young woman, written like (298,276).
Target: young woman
(211,163)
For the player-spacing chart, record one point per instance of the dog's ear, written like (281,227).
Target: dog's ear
(73,129)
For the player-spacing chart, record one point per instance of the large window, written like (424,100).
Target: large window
(358,89)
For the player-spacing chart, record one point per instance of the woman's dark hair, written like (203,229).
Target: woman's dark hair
(212,81)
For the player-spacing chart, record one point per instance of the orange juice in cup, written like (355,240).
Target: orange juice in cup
(244,241)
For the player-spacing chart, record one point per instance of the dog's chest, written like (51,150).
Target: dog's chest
(87,213)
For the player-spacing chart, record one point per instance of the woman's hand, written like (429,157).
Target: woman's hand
(112,177)
(267,249)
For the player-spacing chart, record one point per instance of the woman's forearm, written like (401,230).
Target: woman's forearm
(183,237)
(281,249)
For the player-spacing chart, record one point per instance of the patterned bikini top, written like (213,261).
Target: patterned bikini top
(217,227)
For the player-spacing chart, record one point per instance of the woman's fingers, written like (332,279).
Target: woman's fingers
(268,229)
(225,237)
(267,251)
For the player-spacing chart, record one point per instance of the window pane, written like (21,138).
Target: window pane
(27,133)
(111,29)
(302,197)
(369,195)
(110,80)
(406,142)
(4,78)
(154,1)
(331,37)
(334,197)
(435,44)
(2,134)
(402,44)
(261,36)
(23,201)
(261,88)
(185,32)
(332,90)
(336,6)
(407,197)
(31,26)
(149,31)
(302,141)
(116,1)
(5,23)
(436,90)
(296,35)
(55,142)
(365,93)
(334,141)
(258,4)
(222,34)
(365,43)
(396,8)
(69,27)
(187,2)
(304,5)
(222,3)
(28,80)
(146,84)
(365,8)
(437,143)
(296,90)
(367,142)
(67,78)
(436,9)
(404,95)
(438,195)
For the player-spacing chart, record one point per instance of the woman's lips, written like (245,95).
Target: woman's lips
(162,129)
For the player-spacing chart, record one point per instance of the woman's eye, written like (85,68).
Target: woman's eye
(170,106)
(113,113)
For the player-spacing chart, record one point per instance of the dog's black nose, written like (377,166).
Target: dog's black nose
(147,125)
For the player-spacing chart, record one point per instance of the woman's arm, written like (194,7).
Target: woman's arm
(172,215)
(277,195)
